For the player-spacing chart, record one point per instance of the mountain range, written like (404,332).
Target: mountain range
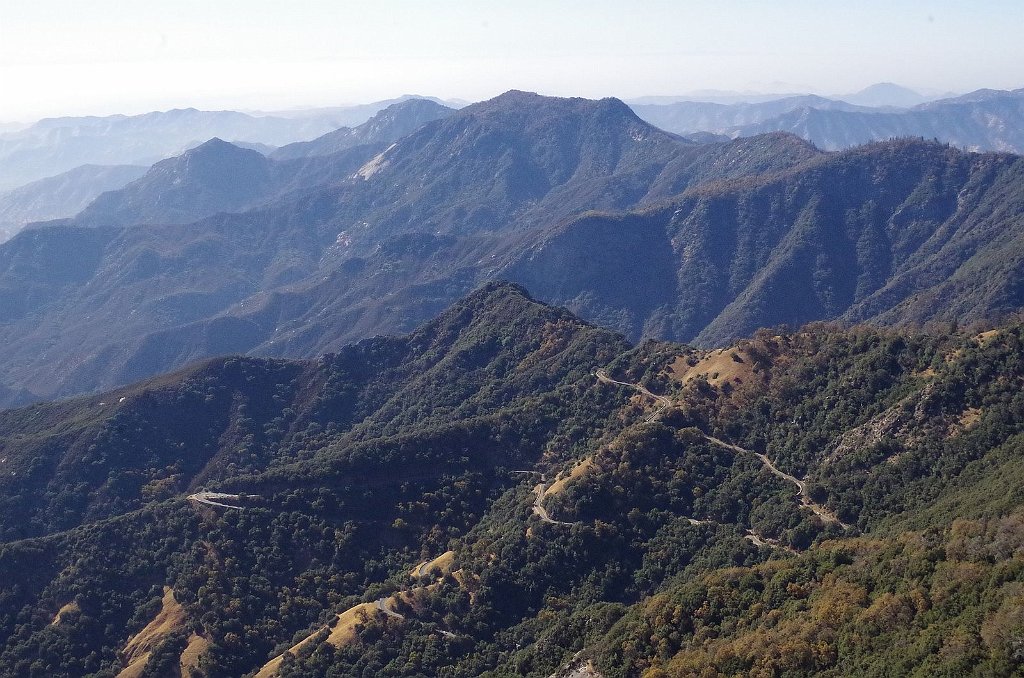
(581,201)
(55,145)
(217,176)
(528,388)
(985,120)
(412,229)
(687,117)
(880,94)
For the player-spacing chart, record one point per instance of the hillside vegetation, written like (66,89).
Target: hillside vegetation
(386,496)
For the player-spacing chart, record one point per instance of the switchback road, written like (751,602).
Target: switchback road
(664,402)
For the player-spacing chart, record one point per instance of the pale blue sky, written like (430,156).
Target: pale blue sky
(60,57)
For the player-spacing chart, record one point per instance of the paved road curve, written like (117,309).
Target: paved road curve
(383,605)
(216,499)
(538,506)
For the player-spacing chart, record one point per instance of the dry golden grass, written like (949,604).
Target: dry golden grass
(344,630)
(969,417)
(438,566)
(986,337)
(561,483)
(197,646)
(135,654)
(718,367)
(341,633)
(63,612)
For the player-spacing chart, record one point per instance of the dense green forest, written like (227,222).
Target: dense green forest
(510,491)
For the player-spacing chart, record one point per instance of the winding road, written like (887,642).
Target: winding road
(382,605)
(757,540)
(662,401)
(805,497)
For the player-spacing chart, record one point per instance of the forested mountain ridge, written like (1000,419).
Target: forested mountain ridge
(399,484)
(213,177)
(218,413)
(424,223)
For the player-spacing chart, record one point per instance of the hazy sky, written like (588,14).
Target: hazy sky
(60,57)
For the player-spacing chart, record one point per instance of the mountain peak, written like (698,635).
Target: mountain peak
(515,99)
(499,289)
(408,113)
(886,94)
(216,146)
(211,177)
(385,127)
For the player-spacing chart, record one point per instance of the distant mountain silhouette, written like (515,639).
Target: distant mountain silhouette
(987,120)
(56,145)
(883,94)
(686,117)
(63,195)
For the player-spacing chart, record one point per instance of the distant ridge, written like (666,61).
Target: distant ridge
(387,125)
(63,195)
(55,145)
(986,120)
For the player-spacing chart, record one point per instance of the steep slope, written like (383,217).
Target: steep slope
(508,491)
(383,250)
(392,123)
(983,121)
(64,195)
(902,232)
(383,431)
